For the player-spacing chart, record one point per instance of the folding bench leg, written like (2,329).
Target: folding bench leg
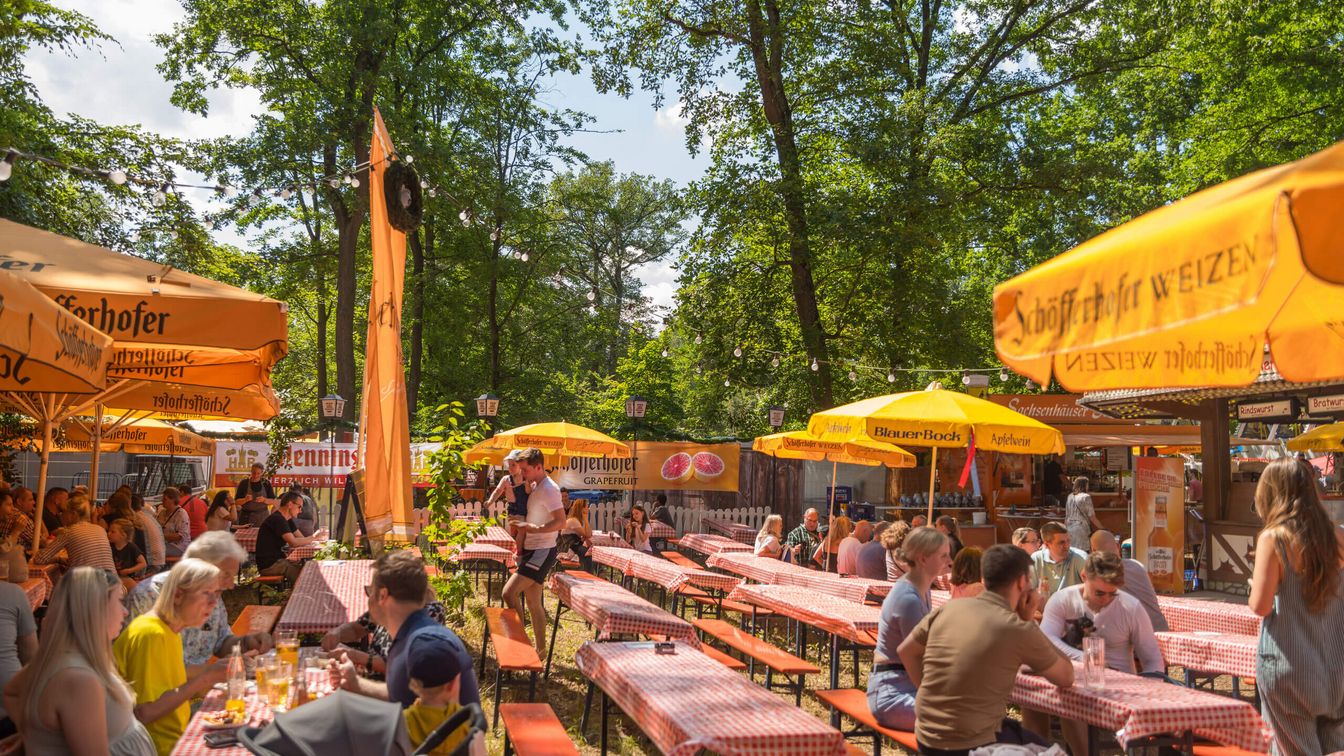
(798,690)
(555,630)
(508,744)
(499,687)
(587,705)
(856,666)
(604,723)
(532,688)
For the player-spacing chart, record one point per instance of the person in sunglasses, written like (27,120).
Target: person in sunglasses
(1098,607)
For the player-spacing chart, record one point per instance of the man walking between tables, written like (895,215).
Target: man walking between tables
(541,530)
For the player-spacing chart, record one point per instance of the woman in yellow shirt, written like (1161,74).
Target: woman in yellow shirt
(149,652)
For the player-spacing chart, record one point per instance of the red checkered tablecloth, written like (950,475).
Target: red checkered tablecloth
(938,598)
(848,619)
(608,538)
(1211,652)
(687,703)
(672,576)
(1137,707)
(482,551)
(612,556)
(658,529)
(710,544)
(734,530)
(495,535)
(760,569)
(47,572)
(848,588)
(615,611)
(247,538)
(326,595)
(1187,615)
(36,589)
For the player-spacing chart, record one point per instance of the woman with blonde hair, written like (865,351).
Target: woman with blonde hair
(769,540)
(892,540)
(149,652)
(1296,587)
(827,556)
(70,699)
(891,693)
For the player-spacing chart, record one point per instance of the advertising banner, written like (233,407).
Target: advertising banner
(1159,520)
(308,463)
(657,465)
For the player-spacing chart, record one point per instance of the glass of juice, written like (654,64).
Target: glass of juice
(266,669)
(287,647)
(278,680)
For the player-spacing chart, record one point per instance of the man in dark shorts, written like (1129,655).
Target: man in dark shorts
(536,555)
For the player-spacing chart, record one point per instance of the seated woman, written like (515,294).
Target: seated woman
(769,540)
(149,653)
(827,555)
(223,513)
(577,535)
(128,558)
(70,699)
(84,543)
(891,694)
(637,529)
(966,573)
(892,540)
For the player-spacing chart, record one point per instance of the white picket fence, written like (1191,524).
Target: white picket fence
(603,516)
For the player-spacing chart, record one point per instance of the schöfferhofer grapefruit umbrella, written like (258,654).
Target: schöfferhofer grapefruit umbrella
(1189,294)
(560,438)
(937,418)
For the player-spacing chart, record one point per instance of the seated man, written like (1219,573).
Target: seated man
(1137,582)
(396,601)
(1057,565)
(278,534)
(1097,607)
(804,539)
(965,656)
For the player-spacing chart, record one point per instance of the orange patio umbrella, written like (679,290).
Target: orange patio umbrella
(1190,294)
(45,348)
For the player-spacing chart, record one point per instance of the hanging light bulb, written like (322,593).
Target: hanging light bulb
(433,191)
(815,366)
(424,183)
(853,376)
(891,376)
(116,176)
(354,182)
(348,178)
(524,256)
(737,352)
(161,196)
(699,370)
(465,217)
(408,158)
(334,183)
(1031,385)
(699,339)
(494,235)
(774,361)
(286,193)
(726,382)
(1003,376)
(592,296)
(664,351)
(7,165)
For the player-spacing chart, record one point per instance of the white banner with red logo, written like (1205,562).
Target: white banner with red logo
(309,463)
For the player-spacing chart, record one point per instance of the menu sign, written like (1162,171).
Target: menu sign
(1284,409)
(1326,405)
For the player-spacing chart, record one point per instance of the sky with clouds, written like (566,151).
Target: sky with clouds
(118,83)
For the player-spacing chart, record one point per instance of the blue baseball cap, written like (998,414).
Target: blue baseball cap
(433,658)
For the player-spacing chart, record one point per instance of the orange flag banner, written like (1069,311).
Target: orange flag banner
(385,430)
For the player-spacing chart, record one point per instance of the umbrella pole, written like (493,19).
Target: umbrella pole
(44,459)
(830,525)
(97,451)
(933,475)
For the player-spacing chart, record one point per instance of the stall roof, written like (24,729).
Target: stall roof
(1137,403)
(1143,435)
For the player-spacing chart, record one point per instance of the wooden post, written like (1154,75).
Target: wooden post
(933,475)
(96,454)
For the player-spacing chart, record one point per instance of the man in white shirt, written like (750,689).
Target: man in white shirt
(1098,608)
(541,529)
(1137,582)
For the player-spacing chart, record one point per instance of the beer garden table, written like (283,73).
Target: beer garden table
(687,703)
(479,557)
(775,572)
(1211,653)
(326,595)
(37,590)
(854,622)
(710,544)
(608,538)
(1188,615)
(670,576)
(760,569)
(612,610)
(1139,708)
(734,530)
(247,538)
(495,535)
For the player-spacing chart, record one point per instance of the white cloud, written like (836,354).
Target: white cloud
(671,118)
(659,281)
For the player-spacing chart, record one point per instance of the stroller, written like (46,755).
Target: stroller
(348,724)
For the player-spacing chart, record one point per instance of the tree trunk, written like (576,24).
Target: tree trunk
(492,314)
(417,315)
(323,314)
(346,280)
(768,59)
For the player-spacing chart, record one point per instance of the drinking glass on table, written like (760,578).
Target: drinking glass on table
(287,647)
(278,680)
(267,667)
(1094,662)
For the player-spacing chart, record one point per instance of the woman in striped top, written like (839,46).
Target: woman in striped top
(84,543)
(1297,588)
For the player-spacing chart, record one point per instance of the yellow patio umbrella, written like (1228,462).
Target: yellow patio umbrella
(485,454)
(43,347)
(937,418)
(1326,438)
(1190,294)
(144,436)
(803,445)
(560,438)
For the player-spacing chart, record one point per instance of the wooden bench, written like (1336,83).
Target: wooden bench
(256,618)
(532,729)
(727,660)
(513,651)
(775,659)
(680,560)
(853,703)
(1217,750)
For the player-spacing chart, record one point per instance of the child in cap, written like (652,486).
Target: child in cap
(436,677)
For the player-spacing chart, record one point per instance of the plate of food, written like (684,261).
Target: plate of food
(223,719)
